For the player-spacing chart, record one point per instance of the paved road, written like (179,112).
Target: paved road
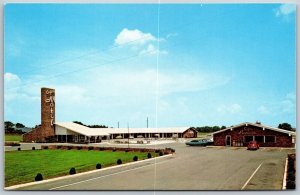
(191,168)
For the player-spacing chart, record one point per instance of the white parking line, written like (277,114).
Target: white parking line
(83,181)
(251,176)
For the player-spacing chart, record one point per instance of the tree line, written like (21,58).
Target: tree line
(91,126)
(13,128)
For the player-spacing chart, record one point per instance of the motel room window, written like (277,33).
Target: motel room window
(248,138)
(270,139)
(259,139)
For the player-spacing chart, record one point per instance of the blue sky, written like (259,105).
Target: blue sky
(210,64)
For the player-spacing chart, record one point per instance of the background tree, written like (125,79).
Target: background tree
(91,126)
(19,125)
(9,127)
(285,126)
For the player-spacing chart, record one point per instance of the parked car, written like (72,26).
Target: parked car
(201,142)
(253,145)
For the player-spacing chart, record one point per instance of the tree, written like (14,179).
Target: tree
(19,125)
(223,127)
(9,126)
(91,126)
(80,123)
(285,126)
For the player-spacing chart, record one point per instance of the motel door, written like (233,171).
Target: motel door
(228,140)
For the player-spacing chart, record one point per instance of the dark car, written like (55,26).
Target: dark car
(201,142)
(253,145)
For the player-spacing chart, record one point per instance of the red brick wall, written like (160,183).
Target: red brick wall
(34,135)
(282,139)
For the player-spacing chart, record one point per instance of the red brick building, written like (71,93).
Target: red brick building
(266,136)
(47,128)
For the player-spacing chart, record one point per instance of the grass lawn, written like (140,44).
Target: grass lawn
(22,166)
(15,138)
(202,134)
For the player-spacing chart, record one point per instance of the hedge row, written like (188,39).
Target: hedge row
(69,147)
(291,172)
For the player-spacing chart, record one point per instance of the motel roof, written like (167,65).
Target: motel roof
(257,125)
(106,131)
(81,129)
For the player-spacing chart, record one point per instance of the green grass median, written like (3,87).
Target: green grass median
(13,137)
(23,166)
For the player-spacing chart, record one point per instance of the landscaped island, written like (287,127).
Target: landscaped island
(23,166)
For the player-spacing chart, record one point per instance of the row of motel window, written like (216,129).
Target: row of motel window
(261,139)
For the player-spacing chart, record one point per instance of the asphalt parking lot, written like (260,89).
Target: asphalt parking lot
(191,168)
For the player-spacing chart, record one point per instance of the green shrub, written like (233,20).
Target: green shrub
(98,166)
(114,149)
(291,185)
(157,151)
(101,149)
(79,147)
(33,148)
(135,158)
(90,148)
(38,177)
(12,144)
(119,161)
(149,155)
(161,153)
(70,147)
(45,147)
(19,149)
(72,171)
(58,147)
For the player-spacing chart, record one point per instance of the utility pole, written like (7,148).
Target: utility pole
(128,133)
(147,122)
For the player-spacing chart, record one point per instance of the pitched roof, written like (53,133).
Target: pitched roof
(106,131)
(257,125)
(146,130)
(82,129)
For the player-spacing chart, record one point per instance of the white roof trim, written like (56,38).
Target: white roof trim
(81,129)
(107,131)
(257,125)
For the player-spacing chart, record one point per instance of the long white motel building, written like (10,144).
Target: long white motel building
(73,132)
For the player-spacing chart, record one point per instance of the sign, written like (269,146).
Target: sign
(247,131)
(51,100)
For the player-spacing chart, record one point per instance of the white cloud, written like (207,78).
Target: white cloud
(263,109)
(291,96)
(170,35)
(233,108)
(287,105)
(152,50)
(285,9)
(138,41)
(11,84)
(135,37)
(120,82)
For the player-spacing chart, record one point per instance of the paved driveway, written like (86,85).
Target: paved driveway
(191,168)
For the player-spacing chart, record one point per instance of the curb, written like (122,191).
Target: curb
(284,175)
(83,173)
